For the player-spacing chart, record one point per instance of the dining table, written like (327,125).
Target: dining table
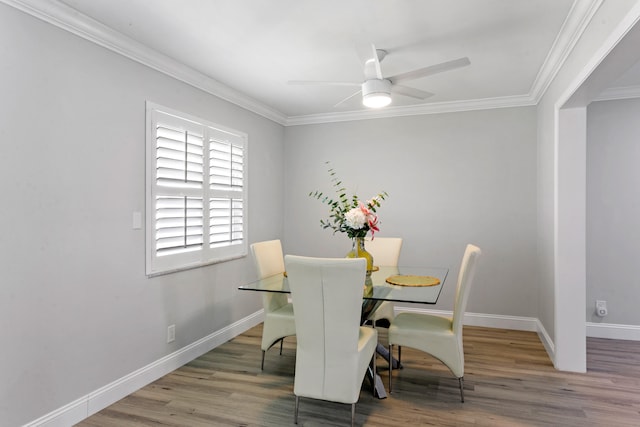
(400,284)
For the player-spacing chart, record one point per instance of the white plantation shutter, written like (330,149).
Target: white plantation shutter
(196,192)
(179,225)
(226,181)
(179,157)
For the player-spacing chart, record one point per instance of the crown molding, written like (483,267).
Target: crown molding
(616,93)
(578,18)
(68,19)
(414,110)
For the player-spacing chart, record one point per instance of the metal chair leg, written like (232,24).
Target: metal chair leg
(373,382)
(264,351)
(390,365)
(461,383)
(353,414)
(295,413)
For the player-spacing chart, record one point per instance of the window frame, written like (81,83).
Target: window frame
(205,255)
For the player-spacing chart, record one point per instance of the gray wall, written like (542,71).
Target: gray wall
(613,210)
(452,179)
(76,308)
(559,321)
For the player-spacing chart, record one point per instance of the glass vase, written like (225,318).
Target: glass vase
(358,251)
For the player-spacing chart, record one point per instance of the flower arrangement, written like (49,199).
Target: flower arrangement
(348,214)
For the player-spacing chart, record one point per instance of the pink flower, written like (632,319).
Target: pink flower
(373,224)
(364,209)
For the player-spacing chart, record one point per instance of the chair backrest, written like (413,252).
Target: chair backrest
(385,250)
(327,301)
(465,279)
(269,260)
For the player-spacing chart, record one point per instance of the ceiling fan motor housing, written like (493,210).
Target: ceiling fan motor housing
(375,86)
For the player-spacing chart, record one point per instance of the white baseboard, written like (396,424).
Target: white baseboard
(97,400)
(613,331)
(517,323)
(546,340)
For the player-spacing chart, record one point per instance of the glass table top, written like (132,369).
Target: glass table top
(380,289)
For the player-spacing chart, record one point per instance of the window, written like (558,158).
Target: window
(196,191)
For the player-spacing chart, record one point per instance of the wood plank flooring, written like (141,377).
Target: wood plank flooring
(509,381)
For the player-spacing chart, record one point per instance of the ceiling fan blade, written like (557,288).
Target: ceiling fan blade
(430,70)
(372,70)
(348,98)
(326,83)
(376,62)
(364,52)
(411,92)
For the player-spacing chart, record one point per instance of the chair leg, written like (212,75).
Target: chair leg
(373,362)
(262,364)
(281,342)
(461,383)
(353,414)
(295,413)
(399,355)
(390,365)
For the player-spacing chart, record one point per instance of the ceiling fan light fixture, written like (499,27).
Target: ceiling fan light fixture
(376,100)
(376,93)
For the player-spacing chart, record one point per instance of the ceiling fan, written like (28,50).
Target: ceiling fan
(376,90)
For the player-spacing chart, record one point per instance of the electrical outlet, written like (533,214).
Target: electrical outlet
(601,308)
(171,333)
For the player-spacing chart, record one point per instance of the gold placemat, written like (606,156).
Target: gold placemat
(410,280)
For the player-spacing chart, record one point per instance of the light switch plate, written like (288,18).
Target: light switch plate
(137,220)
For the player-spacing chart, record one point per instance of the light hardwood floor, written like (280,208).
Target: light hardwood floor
(509,381)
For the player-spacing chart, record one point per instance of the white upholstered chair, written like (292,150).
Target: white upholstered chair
(278,311)
(334,351)
(385,252)
(439,336)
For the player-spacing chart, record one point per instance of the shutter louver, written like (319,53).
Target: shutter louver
(226,166)
(225,222)
(237,167)
(179,225)
(179,158)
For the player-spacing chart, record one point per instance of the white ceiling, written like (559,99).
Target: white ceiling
(254,47)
